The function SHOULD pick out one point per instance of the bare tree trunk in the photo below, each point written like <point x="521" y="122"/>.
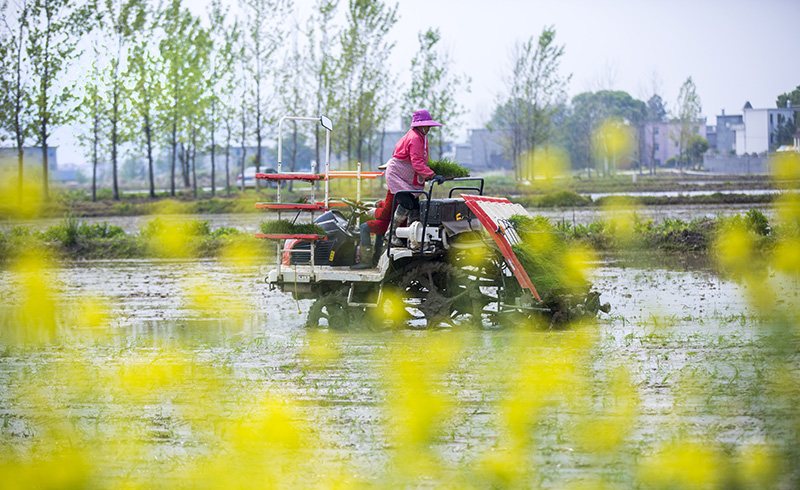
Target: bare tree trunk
<point x="18" y="96"/>
<point x="45" y="176"/>
<point x="244" y="149"/>
<point x="193" y="158"/>
<point x="227" y="170"/>
<point x="19" y="167"/>
<point x="149" y="137"/>
<point x="383" y="138"/>
<point x="185" y="166"/>
<point x="43" y="109"/>
<point x="213" y="151"/>
<point x="95" y="144"/>
<point x="174" y="157"/>
<point x="369" y="151"/>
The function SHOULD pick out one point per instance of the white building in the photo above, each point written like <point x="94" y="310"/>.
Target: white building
<point x="756" y="134"/>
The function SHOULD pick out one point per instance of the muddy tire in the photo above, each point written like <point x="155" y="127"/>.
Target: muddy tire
<point x="438" y="293"/>
<point x="332" y="308"/>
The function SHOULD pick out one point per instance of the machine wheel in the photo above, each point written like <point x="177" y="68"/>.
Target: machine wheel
<point x="333" y="309"/>
<point x="437" y="293"/>
<point x="496" y="286"/>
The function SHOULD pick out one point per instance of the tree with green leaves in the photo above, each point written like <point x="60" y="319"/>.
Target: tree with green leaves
<point x="696" y="147"/>
<point x="223" y="54"/>
<point x="295" y="95"/>
<point x="197" y="87"/>
<point x="93" y="110"/>
<point x="182" y="50"/>
<point x="144" y="73"/>
<point x="589" y="112"/>
<point x="264" y="34"/>
<point x="243" y="111"/>
<point x="656" y="113"/>
<point x="220" y="62"/>
<point x="434" y="86"/>
<point x="321" y="63"/>
<point x="688" y="105"/>
<point x="786" y="128"/>
<point x="122" y="20"/>
<point x="363" y="79"/>
<point x="535" y="92"/>
<point x="15" y="94"/>
<point x="55" y="29"/>
<point x="789" y="98"/>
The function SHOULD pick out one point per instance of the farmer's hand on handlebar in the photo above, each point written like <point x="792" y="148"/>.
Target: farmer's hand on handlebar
<point x="359" y="206"/>
<point x="438" y="179"/>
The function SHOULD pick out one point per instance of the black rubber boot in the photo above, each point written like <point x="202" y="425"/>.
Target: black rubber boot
<point x="400" y="215"/>
<point x="366" y="258"/>
<point x="376" y="255"/>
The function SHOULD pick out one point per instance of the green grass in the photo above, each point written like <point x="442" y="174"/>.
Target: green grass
<point x="73" y="239"/>
<point x="286" y="227"/>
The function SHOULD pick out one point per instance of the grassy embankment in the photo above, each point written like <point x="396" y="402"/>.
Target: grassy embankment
<point x="567" y="192"/>
<point x="75" y="239"/>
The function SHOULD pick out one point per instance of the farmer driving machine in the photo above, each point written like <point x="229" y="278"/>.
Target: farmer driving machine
<point x="457" y="263"/>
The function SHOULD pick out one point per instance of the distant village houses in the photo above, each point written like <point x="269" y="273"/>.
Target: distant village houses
<point x="661" y="141"/>
<point x="32" y="163"/>
<point x="741" y="143"/>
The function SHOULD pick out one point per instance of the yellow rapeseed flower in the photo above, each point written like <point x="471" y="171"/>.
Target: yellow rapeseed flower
<point x="683" y="465"/>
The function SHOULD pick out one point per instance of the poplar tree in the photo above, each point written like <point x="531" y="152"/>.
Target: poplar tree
<point x="144" y="71"/>
<point x="15" y="94"/>
<point x="363" y="75"/>
<point x="92" y="111"/>
<point x="123" y="20"/>
<point x="434" y="86"/>
<point x="321" y="64"/>
<point x="55" y="28"/>
<point x="688" y="105"/>
<point x="264" y="36"/>
<point x="295" y="95"/>
<point x="221" y="60"/>
<point x="536" y="91"/>
<point x="177" y="49"/>
<point x="243" y="112"/>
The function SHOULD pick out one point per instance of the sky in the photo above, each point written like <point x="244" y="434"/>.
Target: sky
<point x="734" y="50"/>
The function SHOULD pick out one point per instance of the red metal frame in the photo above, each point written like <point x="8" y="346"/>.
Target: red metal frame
<point x="350" y="174"/>
<point x="473" y="203"/>
<point x="306" y="177"/>
<point x="289" y="236"/>
<point x="289" y="205"/>
<point x="343" y="174"/>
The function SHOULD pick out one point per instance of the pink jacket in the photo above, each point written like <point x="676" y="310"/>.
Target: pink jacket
<point x="413" y="147"/>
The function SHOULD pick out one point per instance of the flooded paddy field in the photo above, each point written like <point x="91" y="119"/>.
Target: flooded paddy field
<point x="194" y="374"/>
<point x="251" y="222"/>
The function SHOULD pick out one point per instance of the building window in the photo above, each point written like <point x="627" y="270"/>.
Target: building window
<point x="658" y="146"/>
<point x="655" y="130"/>
<point x="658" y="161"/>
<point x="770" y="118"/>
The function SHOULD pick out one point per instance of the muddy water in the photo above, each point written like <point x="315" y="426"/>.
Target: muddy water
<point x="151" y="292"/>
<point x="664" y="323"/>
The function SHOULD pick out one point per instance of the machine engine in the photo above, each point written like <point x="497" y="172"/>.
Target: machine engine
<point x="338" y="249"/>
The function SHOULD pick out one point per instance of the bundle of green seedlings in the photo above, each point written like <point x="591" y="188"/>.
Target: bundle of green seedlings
<point x="448" y="168"/>
<point x="544" y="254"/>
<point x="286" y="227"/>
